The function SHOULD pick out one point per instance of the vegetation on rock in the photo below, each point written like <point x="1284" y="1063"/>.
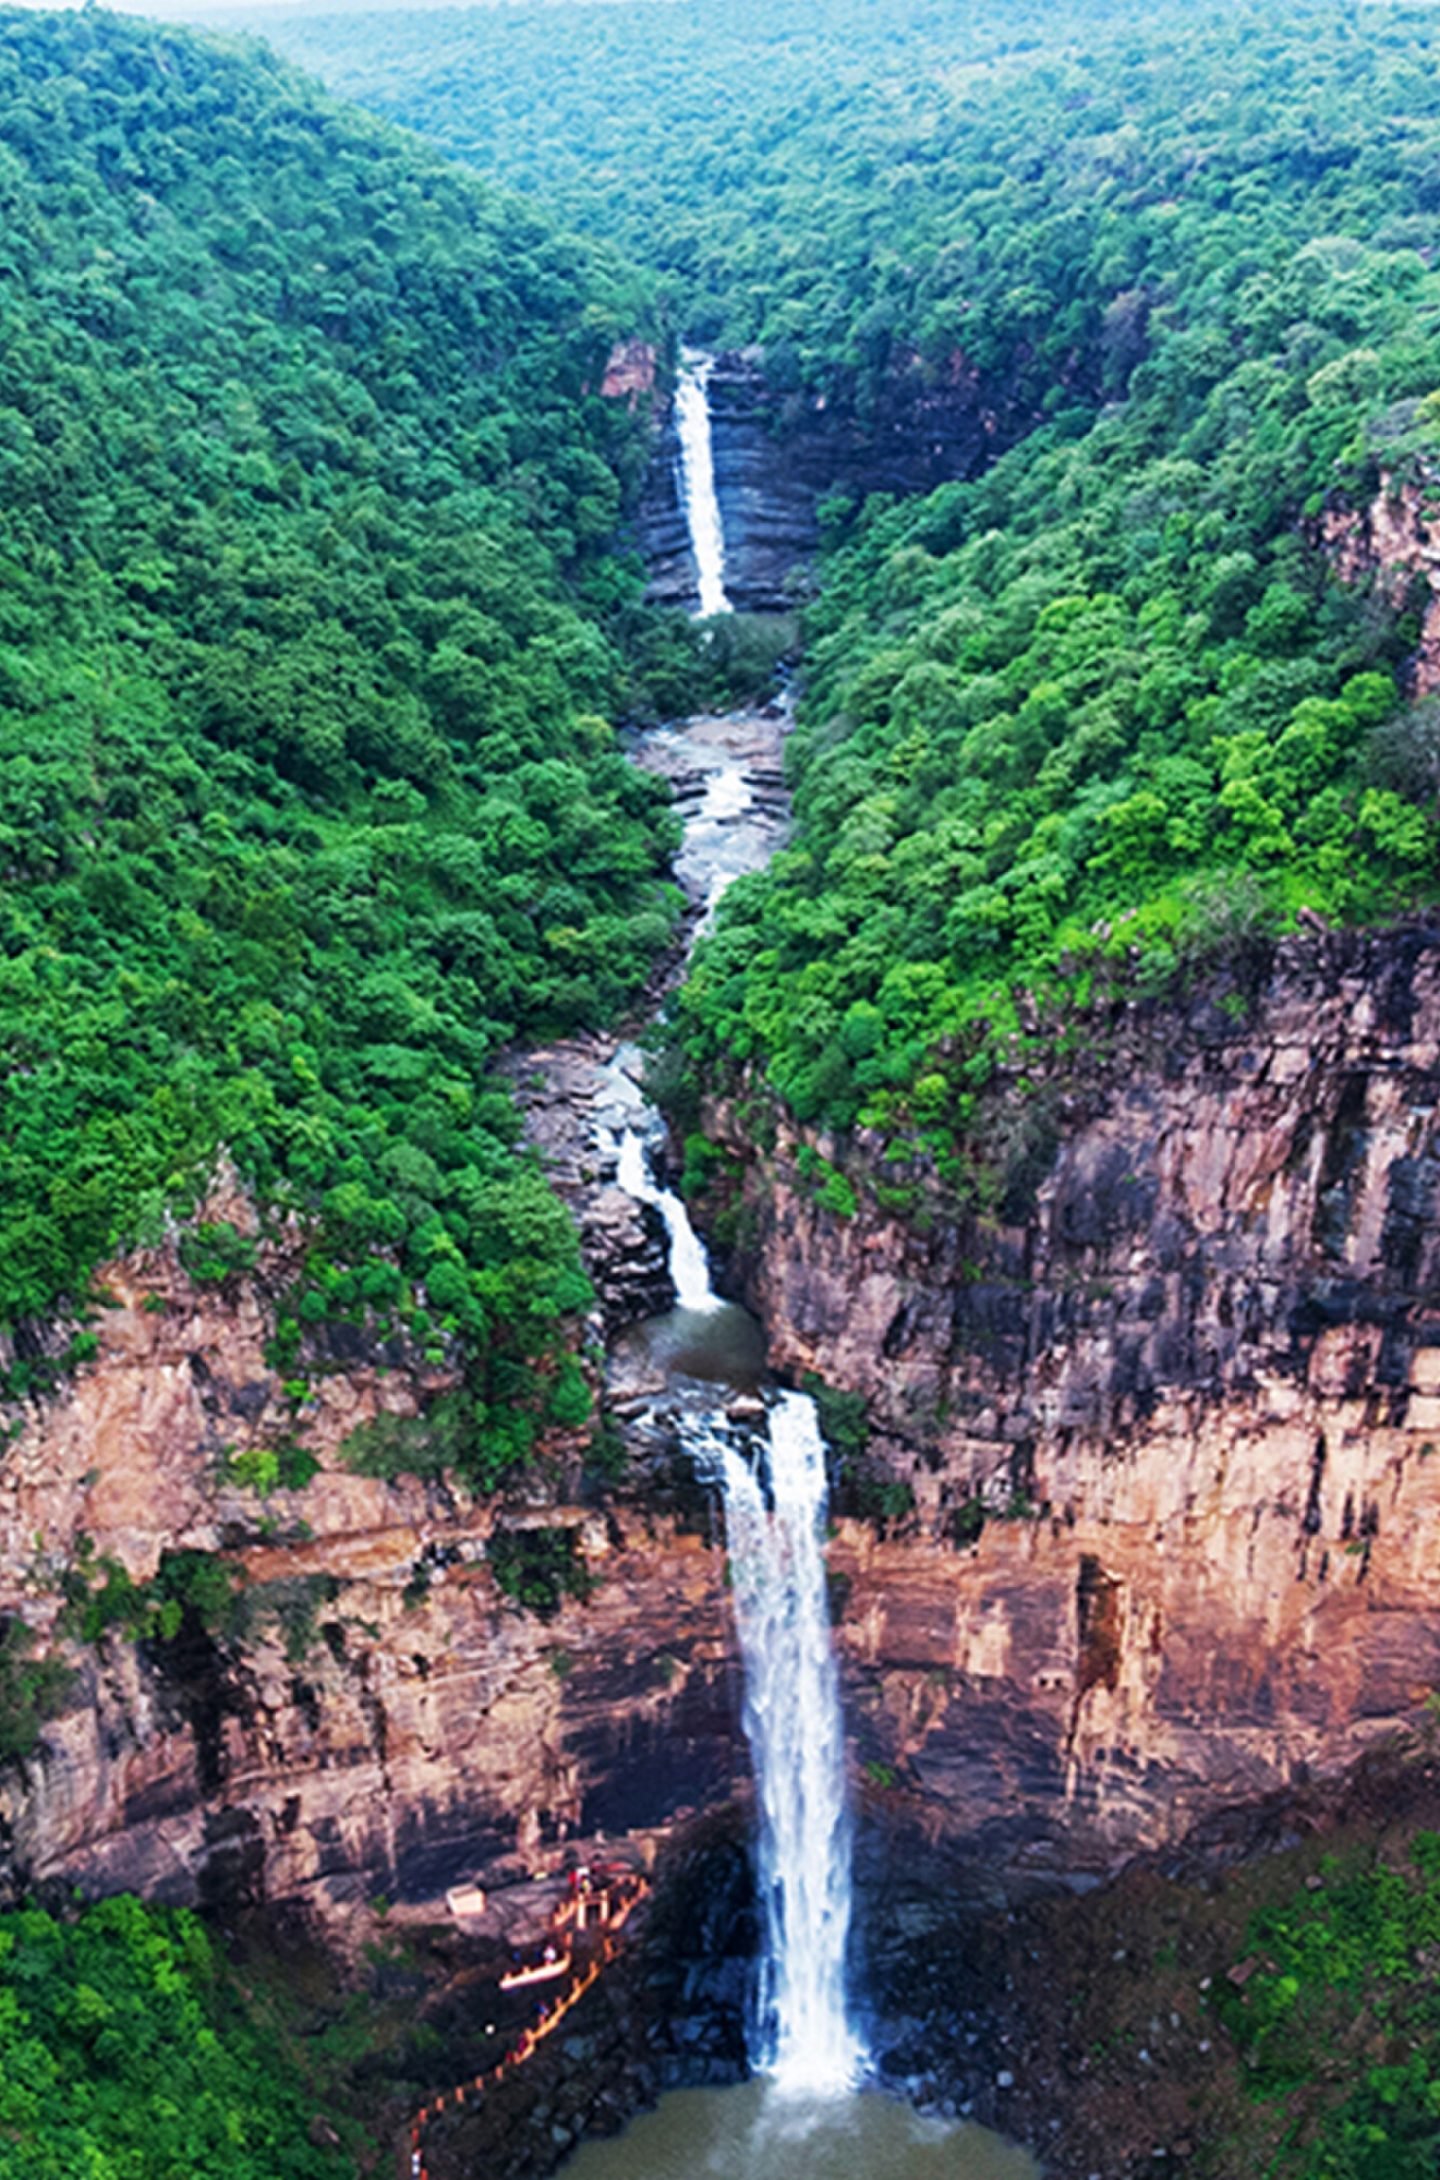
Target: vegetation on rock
<point x="538" y="1569"/>
<point x="1337" y="2019"/>
<point x="31" y="1689"/>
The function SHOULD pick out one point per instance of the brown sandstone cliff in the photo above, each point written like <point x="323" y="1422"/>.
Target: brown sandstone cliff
<point x="1171" y="1418"/>
<point x="383" y="1719"/>
<point x="1188" y="1381"/>
<point x="1394" y="543"/>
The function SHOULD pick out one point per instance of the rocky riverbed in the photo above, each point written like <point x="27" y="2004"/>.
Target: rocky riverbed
<point x="580" y="1094"/>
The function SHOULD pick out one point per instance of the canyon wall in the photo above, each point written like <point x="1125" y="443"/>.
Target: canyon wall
<point x="1170" y="1414"/>
<point x="780" y="448"/>
<point x="375" y="1716"/>
<point x="1392" y="545"/>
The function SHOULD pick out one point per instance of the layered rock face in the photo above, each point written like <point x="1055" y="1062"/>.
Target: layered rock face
<point x="376" y="1716"/>
<point x="381" y="1718"/>
<point x="778" y="451"/>
<point x="1171" y="1416"/>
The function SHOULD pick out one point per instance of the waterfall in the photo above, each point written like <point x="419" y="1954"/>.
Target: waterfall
<point x="688" y="1267"/>
<point x="774" y="1527"/>
<point x="697" y="478"/>
<point x="797" y="1740"/>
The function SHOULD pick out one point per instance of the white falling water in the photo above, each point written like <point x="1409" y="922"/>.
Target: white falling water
<point x="728" y="794"/>
<point x="774" y="1525"/>
<point x="697" y="475"/>
<point x="797" y="1740"/>
<point x="688" y="1267"/>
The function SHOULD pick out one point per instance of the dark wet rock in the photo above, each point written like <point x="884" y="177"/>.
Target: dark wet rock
<point x="778" y="451"/>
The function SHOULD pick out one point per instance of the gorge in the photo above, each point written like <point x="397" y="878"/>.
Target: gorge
<point x="799" y="1299"/>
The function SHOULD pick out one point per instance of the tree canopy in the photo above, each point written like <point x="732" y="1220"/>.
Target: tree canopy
<point x="1103" y="701"/>
<point x="1109" y="702"/>
<point x="126" y="2054"/>
<point x="308" y="798"/>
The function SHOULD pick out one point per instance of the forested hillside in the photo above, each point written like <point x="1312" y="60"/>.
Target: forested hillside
<point x="1106" y="703"/>
<point x="308" y="795"/>
<point x="786" y="170"/>
<point x="126" y="2053"/>
<point x="1108" y="707"/>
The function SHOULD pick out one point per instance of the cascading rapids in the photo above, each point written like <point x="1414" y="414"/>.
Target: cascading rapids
<point x="793" y="1721"/>
<point x="697" y="476"/>
<point x="688" y="1267"/>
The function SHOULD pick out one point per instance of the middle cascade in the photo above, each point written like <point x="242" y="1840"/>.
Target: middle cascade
<point x="688" y="1268"/>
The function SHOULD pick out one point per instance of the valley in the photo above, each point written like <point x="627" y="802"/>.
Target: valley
<point x="718" y="1143"/>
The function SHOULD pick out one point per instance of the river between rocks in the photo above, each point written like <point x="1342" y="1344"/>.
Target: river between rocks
<point x="686" y="1366"/>
<point x="686" y="1371"/>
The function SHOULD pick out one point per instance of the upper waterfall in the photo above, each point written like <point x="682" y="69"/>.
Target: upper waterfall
<point x="697" y="479"/>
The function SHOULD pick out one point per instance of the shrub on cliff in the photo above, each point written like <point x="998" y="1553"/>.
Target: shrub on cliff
<point x="31" y="1690"/>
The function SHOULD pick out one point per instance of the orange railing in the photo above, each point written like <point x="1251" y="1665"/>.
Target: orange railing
<point x="607" y="1910"/>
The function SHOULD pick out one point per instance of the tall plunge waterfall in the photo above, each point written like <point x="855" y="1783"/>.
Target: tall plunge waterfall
<point x="697" y="476"/>
<point x="797" y="1740"/>
<point x="774" y="1528"/>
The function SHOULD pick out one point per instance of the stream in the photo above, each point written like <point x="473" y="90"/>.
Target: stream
<point x="695" y="1367"/>
<point x="808" y="2114"/>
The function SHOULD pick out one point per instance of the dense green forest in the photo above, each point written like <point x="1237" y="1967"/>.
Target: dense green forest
<point x="1105" y="705"/>
<point x="1337" y="2030"/>
<point x="786" y="171"/>
<point x="312" y="631"/>
<point x="308" y="795"/>
<point x="126" y="2053"/>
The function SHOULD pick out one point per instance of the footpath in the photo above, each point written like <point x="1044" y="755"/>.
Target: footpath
<point x="583" y="1938"/>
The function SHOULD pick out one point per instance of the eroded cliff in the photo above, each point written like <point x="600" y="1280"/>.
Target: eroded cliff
<point x="374" y="1715"/>
<point x="1391" y="545"/>
<point x="1170" y="1413"/>
<point x="780" y="448"/>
